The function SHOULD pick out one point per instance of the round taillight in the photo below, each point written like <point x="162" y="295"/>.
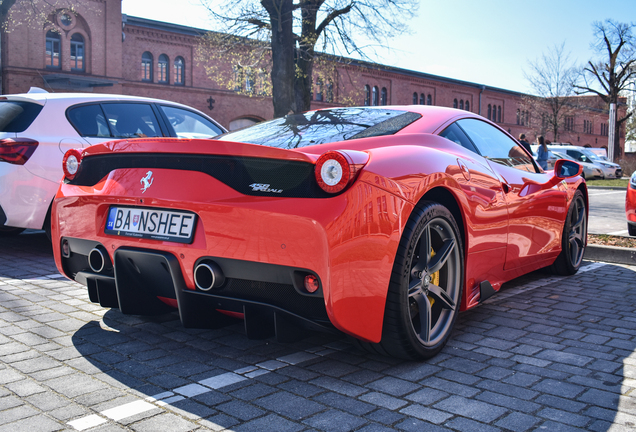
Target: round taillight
<point x="333" y="171"/>
<point x="71" y="163"/>
<point x="311" y="283"/>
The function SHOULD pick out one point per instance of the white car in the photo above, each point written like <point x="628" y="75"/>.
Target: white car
<point x="37" y="128"/>
<point x="590" y="170"/>
<point x="582" y="154"/>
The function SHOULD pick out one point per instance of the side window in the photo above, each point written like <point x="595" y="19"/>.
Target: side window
<point x="495" y="145"/>
<point x="457" y="135"/>
<point x="89" y="121"/>
<point x="131" y="120"/>
<point x="188" y="124"/>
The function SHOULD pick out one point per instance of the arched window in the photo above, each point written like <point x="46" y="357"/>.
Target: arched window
<point x="414" y="98"/>
<point x="374" y="96"/>
<point x="429" y="100"/>
<point x="518" y="116"/>
<point x="162" y="69"/>
<point x="422" y="99"/>
<point x="498" y="114"/>
<point x="467" y="106"/>
<point x="461" y="104"/>
<point x="146" y="66"/>
<point x="77" y="52"/>
<point x="489" y="111"/>
<point x="179" y="71"/>
<point x="383" y="96"/>
<point x="367" y="97"/>
<point x="454" y="103"/>
<point x="52" y="57"/>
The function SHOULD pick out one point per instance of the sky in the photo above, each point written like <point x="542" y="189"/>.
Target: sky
<point x="488" y="42"/>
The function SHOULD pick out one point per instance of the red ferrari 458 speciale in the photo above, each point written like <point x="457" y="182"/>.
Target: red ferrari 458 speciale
<point x="380" y="222"/>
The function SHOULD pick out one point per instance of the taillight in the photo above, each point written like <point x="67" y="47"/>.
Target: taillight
<point x="17" y="151"/>
<point x="335" y="170"/>
<point x="71" y="163"/>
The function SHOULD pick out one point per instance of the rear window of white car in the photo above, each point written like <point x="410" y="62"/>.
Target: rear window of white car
<point x="115" y="120"/>
<point x="17" y="116"/>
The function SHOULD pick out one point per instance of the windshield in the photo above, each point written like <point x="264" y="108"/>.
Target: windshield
<point x="323" y="126"/>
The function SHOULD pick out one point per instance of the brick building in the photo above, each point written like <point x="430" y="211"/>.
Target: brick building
<point x="98" y="49"/>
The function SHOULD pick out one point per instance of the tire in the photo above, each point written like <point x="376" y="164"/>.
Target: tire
<point x="7" y="231"/>
<point x="631" y="229"/>
<point x="407" y="332"/>
<point x="47" y="224"/>
<point x="573" y="239"/>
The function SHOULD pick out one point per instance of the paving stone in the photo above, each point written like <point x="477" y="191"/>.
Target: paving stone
<point x="38" y="423"/>
<point x="334" y="420"/>
<point x="164" y="422"/>
<point x="517" y="422"/>
<point x="289" y="405"/>
<point x="344" y="403"/>
<point x="467" y="425"/>
<point x="383" y="400"/>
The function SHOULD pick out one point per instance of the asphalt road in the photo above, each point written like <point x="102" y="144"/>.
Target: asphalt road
<point x="607" y="212"/>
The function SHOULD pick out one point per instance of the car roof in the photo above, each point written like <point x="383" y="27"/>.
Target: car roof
<point x="74" y="98"/>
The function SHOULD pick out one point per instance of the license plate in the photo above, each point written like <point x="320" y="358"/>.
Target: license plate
<point x="156" y="224"/>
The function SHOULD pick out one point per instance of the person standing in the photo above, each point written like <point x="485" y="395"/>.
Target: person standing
<point x="524" y="143"/>
<point x="542" y="153"/>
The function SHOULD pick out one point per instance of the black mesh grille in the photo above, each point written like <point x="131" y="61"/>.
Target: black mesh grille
<point x="280" y="295"/>
<point x="292" y="178"/>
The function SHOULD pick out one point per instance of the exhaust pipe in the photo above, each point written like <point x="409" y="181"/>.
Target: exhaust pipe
<point x="208" y="275"/>
<point x="98" y="259"/>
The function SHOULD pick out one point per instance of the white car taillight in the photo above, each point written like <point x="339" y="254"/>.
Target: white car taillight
<point x="71" y="163"/>
<point x="17" y="151"/>
<point x="335" y="170"/>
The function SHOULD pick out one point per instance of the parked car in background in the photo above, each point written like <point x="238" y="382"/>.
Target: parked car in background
<point x="590" y="170"/>
<point x="630" y="205"/>
<point x="37" y="128"/>
<point x="582" y="154"/>
<point x="381" y="222"/>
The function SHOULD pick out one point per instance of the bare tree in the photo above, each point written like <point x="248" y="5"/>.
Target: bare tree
<point x="616" y="44"/>
<point x="551" y="78"/>
<point x="292" y="30"/>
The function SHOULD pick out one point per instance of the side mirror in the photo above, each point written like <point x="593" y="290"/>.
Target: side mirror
<point x="564" y="168"/>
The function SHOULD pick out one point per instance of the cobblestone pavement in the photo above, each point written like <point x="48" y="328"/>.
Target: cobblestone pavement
<point x="546" y="353"/>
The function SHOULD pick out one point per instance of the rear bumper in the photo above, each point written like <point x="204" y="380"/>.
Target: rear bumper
<point x="262" y="245"/>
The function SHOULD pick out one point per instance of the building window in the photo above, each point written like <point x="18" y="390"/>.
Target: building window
<point x="146" y="66"/>
<point x="569" y="123"/>
<point x="52" y="57"/>
<point x="429" y="100"/>
<point x="162" y="69"/>
<point x="319" y="89"/>
<point x="415" y="98"/>
<point x="518" y="116"/>
<point x="329" y="91"/>
<point x="367" y="97"/>
<point x="467" y="106"/>
<point x="461" y="104"/>
<point x="422" y="99"/>
<point x="454" y="103"/>
<point x="179" y="71"/>
<point x="498" y="114"/>
<point x="383" y="96"/>
<point x="375" y="99"/>
<point x="77" y="52"/>
<point x="489" y="111"/>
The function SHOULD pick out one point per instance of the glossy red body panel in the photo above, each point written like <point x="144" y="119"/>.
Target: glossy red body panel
<point x="630" y="204"/>
<point x="349" y="240"/>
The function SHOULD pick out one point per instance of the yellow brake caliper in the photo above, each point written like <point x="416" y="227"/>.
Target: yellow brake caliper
<point x="434" y="279"/>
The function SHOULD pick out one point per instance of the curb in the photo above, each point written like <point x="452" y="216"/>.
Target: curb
<point x="607" y="188"/>
<point x="611" y="254"/>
